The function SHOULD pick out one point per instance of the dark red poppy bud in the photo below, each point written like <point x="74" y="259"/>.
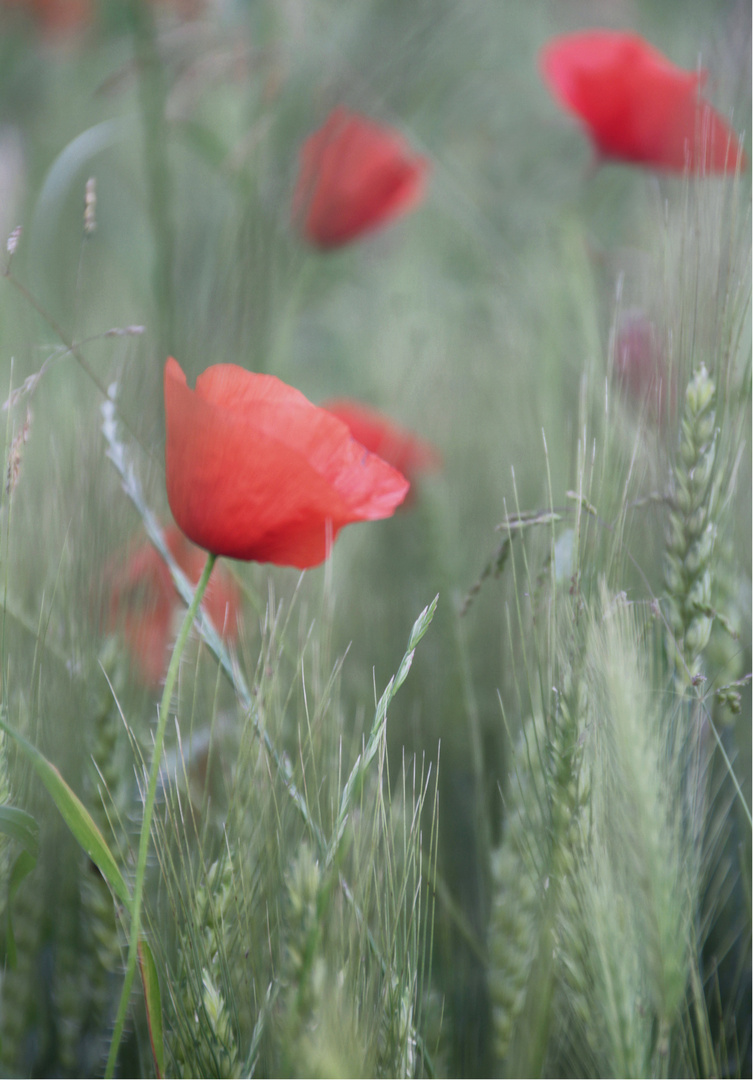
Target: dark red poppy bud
<point x="640" y="366"/>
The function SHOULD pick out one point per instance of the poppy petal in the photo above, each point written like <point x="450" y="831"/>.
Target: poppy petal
<point x="636" y="105"/>
<point x="405" y="451"/>
<point x="355" y="176"/>
<point x="255" y="471"/>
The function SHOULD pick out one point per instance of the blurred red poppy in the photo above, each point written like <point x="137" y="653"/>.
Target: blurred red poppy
<point x="59" y="17"/>
<point x="636" y="105"/>
<point x="143" y="601"/>
<point x="405" y="451"/>
<point x="55" y="16"/>
<point x="255" y="471"/>
<point x="355" y="176"/>
<point x="640" y="366"/>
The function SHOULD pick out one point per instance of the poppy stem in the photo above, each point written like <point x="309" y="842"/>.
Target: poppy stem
<point x="146" y="822"/>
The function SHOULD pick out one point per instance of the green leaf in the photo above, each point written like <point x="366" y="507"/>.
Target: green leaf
<point x="21" y="827"/>
<point x="153" y="1001"/>
<point x="24" y="829"/>
<point x="76" y="816"/>
<point x="22" y="866"/>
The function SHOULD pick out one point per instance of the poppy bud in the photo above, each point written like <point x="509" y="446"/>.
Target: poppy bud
<point x="639" y="364"/>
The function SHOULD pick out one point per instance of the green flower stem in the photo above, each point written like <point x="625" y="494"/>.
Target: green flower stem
<point x="146" y="824"/>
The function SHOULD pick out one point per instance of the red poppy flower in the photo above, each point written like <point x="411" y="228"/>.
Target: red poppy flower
<point x="143" y="601"/>
<point x="255" y="471"/>
<point x="636" y="105"/>
<point x="354" y="176"/>
<point x="405" y="451"/>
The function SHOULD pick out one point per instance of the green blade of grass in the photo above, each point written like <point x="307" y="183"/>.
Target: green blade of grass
<point x="24" y="829"/>
<point x="23" y="865"/>
<point x="363" y="761"/>
<point x="76" y="816"/>
<point x="21" y="827"/>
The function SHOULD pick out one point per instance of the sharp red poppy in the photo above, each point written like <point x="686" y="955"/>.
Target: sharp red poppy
<point x="255" y="471"/>
<point x="636" y="105"/>
<point x="143" y="601"/>
<point x="355" y="176"/>
<point x="408" y="453"/>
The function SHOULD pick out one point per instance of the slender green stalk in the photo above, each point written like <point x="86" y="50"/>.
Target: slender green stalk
<point x="146" y="823"/>
<point x="73" y="348"/>
<point x="152" y="96"/>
